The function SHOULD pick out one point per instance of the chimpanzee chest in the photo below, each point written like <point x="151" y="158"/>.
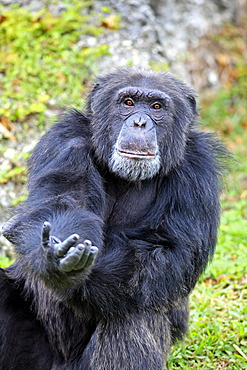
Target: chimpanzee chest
<point x="128" y="205"/>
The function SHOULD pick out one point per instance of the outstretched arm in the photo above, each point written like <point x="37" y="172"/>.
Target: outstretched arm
<point x="65" y="190"/>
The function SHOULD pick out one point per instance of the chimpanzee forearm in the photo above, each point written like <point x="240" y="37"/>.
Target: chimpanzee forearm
<point x="70" y="225"/>
<point x="79" y="276"/>
<point x="170" y="271"/>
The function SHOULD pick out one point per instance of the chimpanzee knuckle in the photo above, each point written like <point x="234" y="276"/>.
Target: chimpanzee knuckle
<point x="70" y="261"/>
<point x="58" y="250"/>
<point x="90" y="260"/>
<point x="81" y="264"/>
<point x="87" y="250"/>
<point x="66" y="266"/>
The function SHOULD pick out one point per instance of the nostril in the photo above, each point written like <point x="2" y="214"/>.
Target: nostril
<point x="136" y="122"/>
<point x="139" y="123"/>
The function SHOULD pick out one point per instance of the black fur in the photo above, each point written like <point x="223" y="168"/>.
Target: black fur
<point x="155" y="237"/>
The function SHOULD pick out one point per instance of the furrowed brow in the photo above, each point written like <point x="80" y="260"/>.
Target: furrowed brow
<point x="142" y="93"/>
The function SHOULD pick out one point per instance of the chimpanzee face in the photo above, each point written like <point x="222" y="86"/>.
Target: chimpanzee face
<point x="141" y="128"/>
<point x="136" y="153"/>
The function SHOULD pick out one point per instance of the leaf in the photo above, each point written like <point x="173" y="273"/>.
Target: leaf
<point x="222" y="59"/>
<point x="238" y="349"/>
<point x="6" y="132"/>
<point x="37" y="107"/>
<point x="111" y="22"/>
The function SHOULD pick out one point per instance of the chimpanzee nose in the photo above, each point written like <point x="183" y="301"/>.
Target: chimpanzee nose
<point x="140" y="122"/>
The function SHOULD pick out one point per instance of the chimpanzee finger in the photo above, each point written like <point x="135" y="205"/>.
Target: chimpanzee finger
<point x="91" y="258"/>
<point x="45" y="234"/>
<point x="63" y="247"/>
<point x="86" y="260"/>
<point x="87" y="247"/>
<point x="72" y="258"/>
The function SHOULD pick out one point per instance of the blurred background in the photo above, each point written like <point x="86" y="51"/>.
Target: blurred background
<point x="50" y="54"/>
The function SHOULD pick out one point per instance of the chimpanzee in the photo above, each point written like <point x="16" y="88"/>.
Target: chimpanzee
<point x="120" y="221"/>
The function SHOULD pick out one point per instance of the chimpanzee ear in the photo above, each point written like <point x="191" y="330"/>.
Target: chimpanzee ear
<point x="192" y="100"/>
<point x="90" y="97"/>
<point x="190" y="96"/>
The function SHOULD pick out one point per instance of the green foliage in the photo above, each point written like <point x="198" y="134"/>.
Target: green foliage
<point x="5" y="261"/>
<point x="41" y="60"/>
<point x="225" y="110"/>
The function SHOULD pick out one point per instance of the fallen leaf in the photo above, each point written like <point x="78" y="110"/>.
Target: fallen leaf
<point x="111" y="22"/>
<point x="6" y="133"/>
<point x="222" y="59"/>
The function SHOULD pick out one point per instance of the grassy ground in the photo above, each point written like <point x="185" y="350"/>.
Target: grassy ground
<point x="218" y="331"/>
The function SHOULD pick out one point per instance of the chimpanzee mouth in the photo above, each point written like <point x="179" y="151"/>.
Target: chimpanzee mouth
<point x="133" y="155"/>
<point x="133" y="165"/>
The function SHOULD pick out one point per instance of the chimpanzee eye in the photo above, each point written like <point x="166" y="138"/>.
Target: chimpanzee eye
<point x="129" y="102"/>
<point x="156" y="106"/>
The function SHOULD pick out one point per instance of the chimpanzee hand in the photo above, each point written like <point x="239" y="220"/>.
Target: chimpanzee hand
<point x="71" y="257"/>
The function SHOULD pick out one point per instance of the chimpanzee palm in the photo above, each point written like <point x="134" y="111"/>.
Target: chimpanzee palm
<point x="120" y="221"/>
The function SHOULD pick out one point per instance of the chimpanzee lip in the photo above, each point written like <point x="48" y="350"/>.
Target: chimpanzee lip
<point x="136" y="155"/>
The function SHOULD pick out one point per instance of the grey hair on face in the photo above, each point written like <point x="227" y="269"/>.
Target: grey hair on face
<point x="134" y="169"/>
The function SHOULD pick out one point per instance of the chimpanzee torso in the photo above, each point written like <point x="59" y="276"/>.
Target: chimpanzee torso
<point x="120" y="221"/>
